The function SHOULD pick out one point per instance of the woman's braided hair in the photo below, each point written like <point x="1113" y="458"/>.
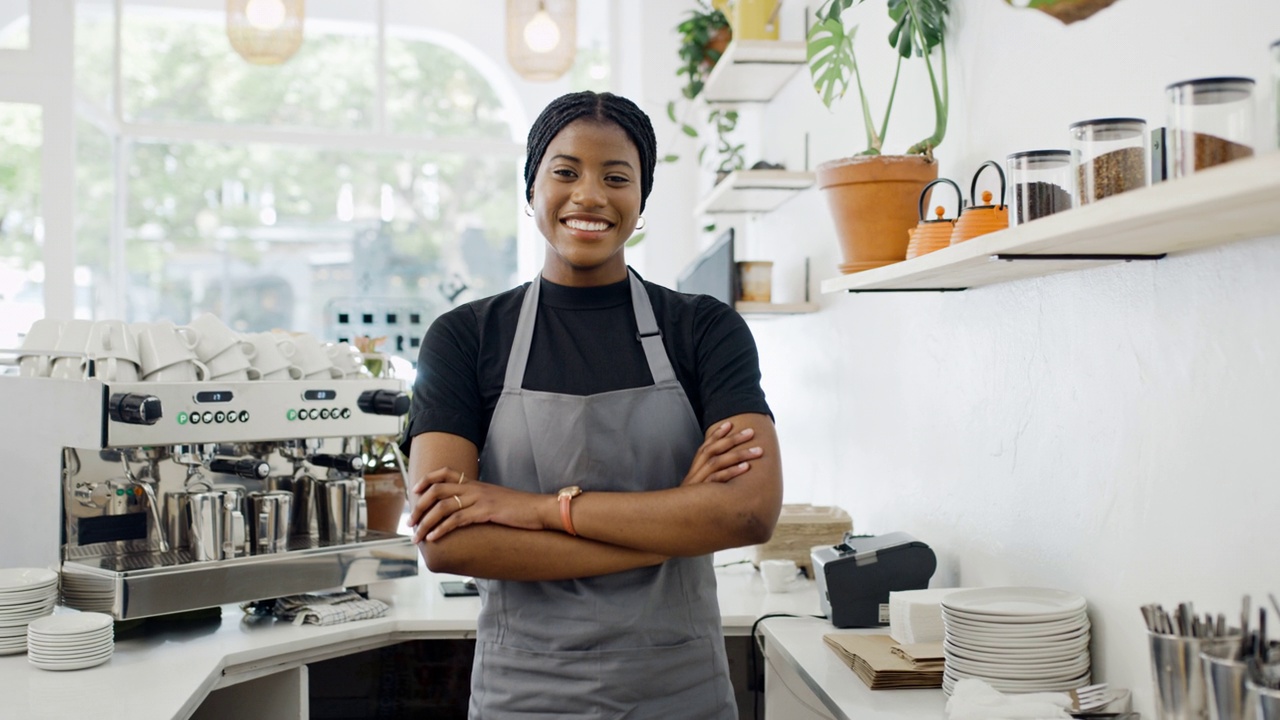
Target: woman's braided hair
<point x="599" y="107"/>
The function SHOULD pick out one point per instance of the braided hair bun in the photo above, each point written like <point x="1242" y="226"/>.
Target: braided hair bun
<point x="600" y="107"/>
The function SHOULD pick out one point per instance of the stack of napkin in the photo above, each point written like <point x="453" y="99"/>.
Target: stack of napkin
<point x="915" y="616"/>
<point x="883" y="664"/>
<point x="328" y="608"/>
<point x="976" y="700"/>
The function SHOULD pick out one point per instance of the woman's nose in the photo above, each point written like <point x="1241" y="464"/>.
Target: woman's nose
<point x="589" y="194"/>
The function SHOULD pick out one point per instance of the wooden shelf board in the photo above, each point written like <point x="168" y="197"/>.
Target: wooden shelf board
<point x="753" y="70"/>
<point x="752" y="191"/>
<point x="1220" y="205"/>
<point x="763" y="308"/>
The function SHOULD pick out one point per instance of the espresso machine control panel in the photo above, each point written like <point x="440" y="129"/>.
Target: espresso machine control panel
<point x="189" y="413"/>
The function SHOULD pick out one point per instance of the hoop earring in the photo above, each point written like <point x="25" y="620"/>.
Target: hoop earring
<point x="640" y="223"/>
<point x="528" y="209"/>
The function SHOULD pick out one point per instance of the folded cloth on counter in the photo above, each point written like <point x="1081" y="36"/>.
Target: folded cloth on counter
<point x="872" y="658"/>
<point x="976" y="700"/>
<point x="915" y="616"/>
<point x="328" y="608"/>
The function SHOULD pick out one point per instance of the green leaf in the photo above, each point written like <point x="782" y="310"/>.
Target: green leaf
<point x="831" y="60"/>
<point x="635" y="239"/>
<point x="709" y="228"/>
<point x="671" y="110"/>
<point x="670" y="158"/>
<point x="688" y="130"/>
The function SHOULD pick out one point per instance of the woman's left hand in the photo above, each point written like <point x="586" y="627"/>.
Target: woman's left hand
<point x="448" y="500"/>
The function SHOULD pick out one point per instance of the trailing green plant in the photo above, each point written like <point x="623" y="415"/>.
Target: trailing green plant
<point x="698" y="50"/>
<point x="919" y="28"/>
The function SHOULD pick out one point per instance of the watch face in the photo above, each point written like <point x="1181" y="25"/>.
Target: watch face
<point x="571" y="492"/>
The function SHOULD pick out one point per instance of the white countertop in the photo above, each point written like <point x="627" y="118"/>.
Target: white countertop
<point x="799" y="642"/>
<point x="167" y="673"/>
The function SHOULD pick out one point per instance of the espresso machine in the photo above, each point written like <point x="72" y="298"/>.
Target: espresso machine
<point x="161" y="497"/>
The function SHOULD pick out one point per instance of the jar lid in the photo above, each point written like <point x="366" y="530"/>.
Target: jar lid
<point x="1107" y="121"/>
<point x="1211" y="90"/>
<point x="1040" y="154"/>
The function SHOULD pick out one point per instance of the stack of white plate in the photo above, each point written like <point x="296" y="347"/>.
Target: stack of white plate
<point x="25" y="595"/>
<point x="70" y="642"/>
<point x="1017" y="639"/>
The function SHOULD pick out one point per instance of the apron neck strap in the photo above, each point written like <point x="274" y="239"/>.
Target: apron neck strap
<point x="648" y="334"/>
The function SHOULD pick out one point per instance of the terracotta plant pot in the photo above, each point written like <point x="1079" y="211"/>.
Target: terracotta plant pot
<point x="384" y="497"/>
<point x="873" y="202"/>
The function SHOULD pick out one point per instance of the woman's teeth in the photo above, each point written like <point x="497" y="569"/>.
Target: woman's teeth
<point x="587" y="226"/>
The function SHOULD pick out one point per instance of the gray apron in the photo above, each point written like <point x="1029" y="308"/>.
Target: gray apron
<point x="643" y="643"/>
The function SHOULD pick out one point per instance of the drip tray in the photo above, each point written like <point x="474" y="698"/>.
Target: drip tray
<point x="144" y="583"/>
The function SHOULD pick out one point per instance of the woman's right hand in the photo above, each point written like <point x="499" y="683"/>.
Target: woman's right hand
<point x="722" y="456"/>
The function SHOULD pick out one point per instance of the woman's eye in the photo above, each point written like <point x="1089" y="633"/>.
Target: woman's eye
<point x="563" y="172"/>
<point x="618" y="179"/>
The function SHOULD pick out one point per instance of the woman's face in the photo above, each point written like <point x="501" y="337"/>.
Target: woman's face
<point x="586" y="202"/>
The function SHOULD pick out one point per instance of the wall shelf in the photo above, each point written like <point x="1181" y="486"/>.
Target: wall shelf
<point x="753" y="70"/>
<point x="763" y="308"/>
<point x="754" y="191"/>
<point x="1220" y="205"/>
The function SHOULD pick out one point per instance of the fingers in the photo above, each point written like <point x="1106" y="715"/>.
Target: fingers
<point x="722" y="455"/>
<point x="438" y="511"/>
<point x="441" y="475"/>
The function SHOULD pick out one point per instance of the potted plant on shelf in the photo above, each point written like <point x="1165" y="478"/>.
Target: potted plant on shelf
<point x="873" y="196"/>
<point x="384" y="486"/>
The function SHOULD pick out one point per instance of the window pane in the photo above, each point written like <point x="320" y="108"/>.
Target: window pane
<point x="282" y="237"/>
<point x="433" y="92"/>
<point x="95" y="203"/>
<point x="95" y="37"/>
<point x="21" y="229"/>
<point x="179" y="67"/>
<point x="14" y="23"/>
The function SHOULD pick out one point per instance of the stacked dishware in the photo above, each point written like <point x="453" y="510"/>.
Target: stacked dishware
<point x="70" y="642"/>
<point x="1016" y="639"/>
<point x="227" y="356"/>
<point x="26" y="594"/>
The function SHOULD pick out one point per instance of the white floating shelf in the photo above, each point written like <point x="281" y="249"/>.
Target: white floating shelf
<point x="753" y="70"/>
<point x="754" y="191"/>
<point x="763" y="308"/>
<point x="1237" y="201"/>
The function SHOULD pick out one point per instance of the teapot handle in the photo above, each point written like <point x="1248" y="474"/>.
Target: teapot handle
<point x="973" y="187"/>
<point x="925" y="191"/>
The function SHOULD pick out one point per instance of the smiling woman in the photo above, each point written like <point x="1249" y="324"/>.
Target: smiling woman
<point x="612" y="429"/>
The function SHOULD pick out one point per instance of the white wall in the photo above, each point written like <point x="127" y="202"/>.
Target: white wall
<point x="1107" y="431"/>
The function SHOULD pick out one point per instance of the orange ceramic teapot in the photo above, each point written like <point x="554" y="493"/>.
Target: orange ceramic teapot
<point x="932" y="235"/>
<point x="981" y="219"/>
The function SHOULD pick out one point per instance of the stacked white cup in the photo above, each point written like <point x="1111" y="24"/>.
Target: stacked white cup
<point x="227" y="354"/>
<point x="312" y="359"/>
<point x="37" y="346"/>
<point x="273" y="356"/>
<point x="346" y="360"/>
<point x="168" y="352"/>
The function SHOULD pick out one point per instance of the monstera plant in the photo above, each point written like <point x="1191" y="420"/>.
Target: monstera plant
<point x="872" y="196"/>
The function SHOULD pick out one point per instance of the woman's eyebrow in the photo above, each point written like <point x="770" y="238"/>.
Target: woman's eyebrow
<point x="607" y="163"/>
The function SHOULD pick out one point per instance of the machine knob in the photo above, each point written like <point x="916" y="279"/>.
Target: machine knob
<point x="248" y="468"/>
<point x="384" y="402"/>
<point x="345" y="463"/>
<point x="135" y="409"/>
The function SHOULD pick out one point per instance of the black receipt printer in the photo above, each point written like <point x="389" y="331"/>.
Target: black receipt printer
<point x="856" y="576"/>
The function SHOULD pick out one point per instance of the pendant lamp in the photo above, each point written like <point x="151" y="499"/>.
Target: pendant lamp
<point x="542" y="37"/>
<point x="265" y="32"/>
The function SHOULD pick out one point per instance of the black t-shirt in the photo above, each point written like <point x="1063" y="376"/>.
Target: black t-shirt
<point x="585" y="342"/>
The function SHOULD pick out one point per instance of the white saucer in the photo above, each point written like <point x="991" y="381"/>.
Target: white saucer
<point x="80" y="648"/>
<point x="20" y="597"/>
<point x="1049" y="671"/>
<point x="77" y="624"/>
<point x="71" y="665"/>
<point x="1014" y="624"/>
<point x="1004" y="640"/>
<point x="1012" y="602"/>
<point x="16" y="579"/>
<point x="1037" y="653"/>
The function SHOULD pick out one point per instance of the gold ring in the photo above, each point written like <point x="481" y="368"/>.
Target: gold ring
<point x="462" y="478"/>
<point x="459" y="500"/>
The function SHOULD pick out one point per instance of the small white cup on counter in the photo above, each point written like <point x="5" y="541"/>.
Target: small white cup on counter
<point x="779" y="575"/>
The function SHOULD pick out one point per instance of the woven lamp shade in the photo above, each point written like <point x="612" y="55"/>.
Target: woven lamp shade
<point x="265" y="32"/>
<point x="542" y="37"/>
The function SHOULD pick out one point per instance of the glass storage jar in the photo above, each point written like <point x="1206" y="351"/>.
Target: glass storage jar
<point x="1275" y="83"/>
<point x="1210" y="123"/>
<point x="1040" y="182"/>
<point x="1109" y="156"/>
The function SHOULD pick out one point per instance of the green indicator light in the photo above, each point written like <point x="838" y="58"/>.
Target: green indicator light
<point x="182" y="418"/>
<point x="119" y="491"/>
<point x="292" y="415"/>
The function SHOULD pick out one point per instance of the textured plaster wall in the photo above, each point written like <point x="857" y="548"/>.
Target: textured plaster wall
<point x="1110" y="431"/>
